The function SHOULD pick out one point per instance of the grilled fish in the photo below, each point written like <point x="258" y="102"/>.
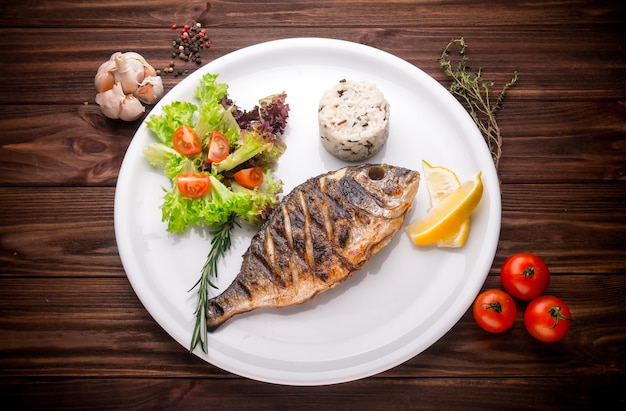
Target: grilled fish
<point x="318" y="236"/>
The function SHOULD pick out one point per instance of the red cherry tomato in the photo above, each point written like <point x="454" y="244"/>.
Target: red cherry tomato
<point x="249" y="177"/>
<point x="525" y="276"/>
<point x="218" y="147"/>
<point x="547" y="318"/>
<point x="194" y="184"/>
<point x="494" y="311"/>
<point x="186" y="141"/>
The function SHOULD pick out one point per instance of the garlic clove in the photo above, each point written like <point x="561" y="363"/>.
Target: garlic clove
<point x="110" y="101"/>
<point x="128" y="72"/>
<point x="131" y="108"/>
<point x="150" y="90"/>
<point x="148" y="69"/>
<point x="105" y="79"/>
<point x="135" y="56"/>
<point x="114" y="55"/>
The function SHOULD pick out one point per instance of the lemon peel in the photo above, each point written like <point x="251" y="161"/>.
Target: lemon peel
<point x="440" y="182"/>
<point x="446" y="218"/>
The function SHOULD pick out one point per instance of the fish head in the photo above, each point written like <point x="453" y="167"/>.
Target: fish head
<point x="382" y="190"/>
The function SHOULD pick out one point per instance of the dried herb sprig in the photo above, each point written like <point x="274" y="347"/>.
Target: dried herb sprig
<point x="474" y="92"/>
<point x="220" y="243"/>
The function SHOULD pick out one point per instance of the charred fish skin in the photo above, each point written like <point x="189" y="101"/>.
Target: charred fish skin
<point x="320" y="234"/>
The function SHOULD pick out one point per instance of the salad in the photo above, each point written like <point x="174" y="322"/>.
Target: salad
<point x="219" y="160"/>
<point x="218" y="156"/>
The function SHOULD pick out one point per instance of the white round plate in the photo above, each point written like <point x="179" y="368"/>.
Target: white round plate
<point x="399" y="304"/>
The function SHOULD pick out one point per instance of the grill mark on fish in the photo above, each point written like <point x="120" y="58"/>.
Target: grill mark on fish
<point x="366" y="199"/>
<point x="270" y="250"/>
<point x="322" y="232"/>
<point x="306" y="231"/>
<point x="242" y="289"/>
<point x="328" y="224"/>
<point x="287" y="226"/>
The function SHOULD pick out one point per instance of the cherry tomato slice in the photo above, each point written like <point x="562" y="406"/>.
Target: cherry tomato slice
<point x="186" y="141"/>
<point x="249" y="177"/>
<point x="547" y="318"/>
<point x="218" y="147"/>
<point x="194" y="184"/>
<point x="494" y="311"/>
<point x="525" y="276"/>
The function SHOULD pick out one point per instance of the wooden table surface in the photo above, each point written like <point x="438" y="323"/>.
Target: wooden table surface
<point x="74" y="335"/>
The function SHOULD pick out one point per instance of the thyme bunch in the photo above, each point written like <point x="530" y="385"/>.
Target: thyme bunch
<point x="475" y="93"/>
<point x="220" y="243"/>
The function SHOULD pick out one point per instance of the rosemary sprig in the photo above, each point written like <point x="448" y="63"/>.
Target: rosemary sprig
<point x="474" y="92"/>
<point x="220" y="243"/>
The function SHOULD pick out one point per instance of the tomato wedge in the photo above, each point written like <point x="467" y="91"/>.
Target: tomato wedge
<point x="194" y="184"/>
<point x="186" y="141"/>
<point x="249" y="177"/>
<point x="218" y="147"/>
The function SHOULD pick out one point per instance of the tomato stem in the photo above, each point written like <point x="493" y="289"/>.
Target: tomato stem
<point x="528" y="272"/>
<point x="556" y="315"/>
<point x="495" y="306"/>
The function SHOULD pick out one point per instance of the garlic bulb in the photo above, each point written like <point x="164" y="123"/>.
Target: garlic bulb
<point x="124" y="82"/>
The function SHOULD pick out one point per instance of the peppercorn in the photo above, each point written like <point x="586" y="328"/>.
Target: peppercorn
<point x="192" y="38"/>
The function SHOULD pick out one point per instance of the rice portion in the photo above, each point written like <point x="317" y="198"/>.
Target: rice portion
<point x="353" y="120"/>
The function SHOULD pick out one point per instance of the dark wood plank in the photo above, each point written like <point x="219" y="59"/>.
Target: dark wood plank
<point x="90" y="327"/>
<point x="77" y="145"/>
<point x="287" y="13"/>
<point x="576" y="228"/>
<point x="66" y="232"/>
<point x="379" y="394"/>
<point x="567" y="141"/>
<point x="61" y="145"/>
<point x="37" y="60"/>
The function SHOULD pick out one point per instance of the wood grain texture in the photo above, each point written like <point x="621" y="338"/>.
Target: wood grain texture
<point x="289" y="13"/>
<point x="96" y="327"/>
<point x="567" y="142"/>
<point x="394" y="394"/>
<point x="553" y="57"/>
<point x="575" y="227"/>
<point x="73" y="333"/>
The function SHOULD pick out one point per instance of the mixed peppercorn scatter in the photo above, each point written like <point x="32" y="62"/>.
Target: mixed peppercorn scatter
<point x="190" y="40"/>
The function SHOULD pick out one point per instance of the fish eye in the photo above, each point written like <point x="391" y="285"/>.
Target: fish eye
<point x="376" y="173"/>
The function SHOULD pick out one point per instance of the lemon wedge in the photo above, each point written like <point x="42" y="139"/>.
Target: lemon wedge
<point x="446" y="218"/>
<point x="441" y="181"/>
